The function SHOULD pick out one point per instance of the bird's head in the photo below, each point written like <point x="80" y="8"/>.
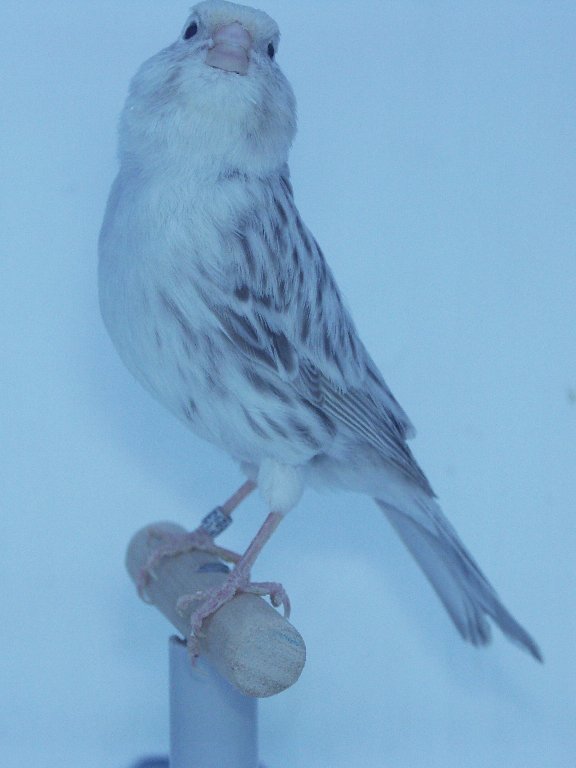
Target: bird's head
<point x="214" y="98"/>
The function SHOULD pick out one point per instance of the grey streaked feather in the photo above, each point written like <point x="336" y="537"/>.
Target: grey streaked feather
<point x="297" y="334"/>
<point x="460" y="584"/>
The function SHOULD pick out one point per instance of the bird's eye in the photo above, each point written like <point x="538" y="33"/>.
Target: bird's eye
<point x="271" y="50"/>
<point x="190" y="31"/>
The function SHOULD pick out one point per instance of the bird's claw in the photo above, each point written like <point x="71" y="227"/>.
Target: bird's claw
<point x="276" y="592"/>
<point x="238" y="582"/>
<point x="173" y="544"/>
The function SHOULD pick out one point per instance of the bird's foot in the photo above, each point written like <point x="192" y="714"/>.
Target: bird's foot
<point x="173" y="544"/>
<point x="238" y="581"/>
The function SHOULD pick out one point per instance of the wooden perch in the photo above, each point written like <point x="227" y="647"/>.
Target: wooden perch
<point x="250" y="644"/>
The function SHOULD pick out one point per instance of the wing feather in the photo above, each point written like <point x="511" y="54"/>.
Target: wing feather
<point x="280" y="307"/>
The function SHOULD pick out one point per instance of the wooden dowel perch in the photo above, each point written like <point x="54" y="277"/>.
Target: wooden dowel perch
<point x="250" y="644"/>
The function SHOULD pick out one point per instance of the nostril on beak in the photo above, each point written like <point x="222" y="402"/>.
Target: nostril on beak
<point x="233" y="34"/>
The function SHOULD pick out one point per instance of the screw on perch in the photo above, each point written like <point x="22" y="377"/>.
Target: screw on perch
<point x="246" y="640"/>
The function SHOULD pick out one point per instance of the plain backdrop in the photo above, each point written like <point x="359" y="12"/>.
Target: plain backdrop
<point x="435" y="165"/>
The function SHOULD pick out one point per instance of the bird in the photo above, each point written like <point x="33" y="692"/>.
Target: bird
<point x="221" y="303"/>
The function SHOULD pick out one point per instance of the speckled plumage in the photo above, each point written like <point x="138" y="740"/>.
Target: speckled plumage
<point x="221" y="303"/>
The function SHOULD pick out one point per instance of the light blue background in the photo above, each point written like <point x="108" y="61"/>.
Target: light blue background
<point x="435" y="164"/>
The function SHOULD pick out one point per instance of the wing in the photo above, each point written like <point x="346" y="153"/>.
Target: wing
<point x="276" y="301"/>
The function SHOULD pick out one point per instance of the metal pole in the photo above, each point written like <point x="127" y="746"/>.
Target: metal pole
<point x="212" y="725"/>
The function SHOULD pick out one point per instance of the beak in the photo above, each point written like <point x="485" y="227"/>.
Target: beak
<point x="231" y="49"/>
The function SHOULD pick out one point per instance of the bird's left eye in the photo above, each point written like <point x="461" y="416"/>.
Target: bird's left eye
<point x="271" y="50"/>
<point x="190" y="31"/>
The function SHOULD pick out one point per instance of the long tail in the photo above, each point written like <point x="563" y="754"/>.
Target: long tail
<point x="460" y="584"/>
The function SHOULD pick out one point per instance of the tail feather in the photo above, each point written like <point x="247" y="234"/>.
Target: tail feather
<point x="460" y="584"/>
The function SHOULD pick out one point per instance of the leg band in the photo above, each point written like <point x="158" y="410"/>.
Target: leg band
<point x="215" y="522"/>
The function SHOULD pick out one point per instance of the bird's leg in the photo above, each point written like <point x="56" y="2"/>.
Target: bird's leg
<point x="201" y="538"/>
<point x="237" y="581"/>
<point x="237" y="498"/>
